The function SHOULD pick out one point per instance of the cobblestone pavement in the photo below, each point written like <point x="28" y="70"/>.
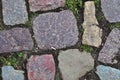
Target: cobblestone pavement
<point x="55" y="42"/>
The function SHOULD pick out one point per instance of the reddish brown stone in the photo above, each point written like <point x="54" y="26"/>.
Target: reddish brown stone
<point x="43" y="5"/>
<point x="41" y="67"/>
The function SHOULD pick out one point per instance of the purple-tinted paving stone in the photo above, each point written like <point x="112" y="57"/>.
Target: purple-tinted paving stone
<point x="14" y="12"/>
<point x="8" y="73"/>
<point x="41" y="67"/>
<point x="111" y="10"/>
<point x="43" y="5"/>
<point x="55" y="30"/>
<point x="16" y="39"/>
<point x="111" y="47"/>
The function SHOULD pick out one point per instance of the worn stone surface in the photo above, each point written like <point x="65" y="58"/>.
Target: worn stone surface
<point x="92" y="33"/>
<point x="44" y="5"/>
<point x="55" y="30"/>
<point x="108" y="73"/>
<point x="8" y="73"/>
<point x="74" y="64"/>
<point x="41" y="67"/>
<point x="111" y="10"/>
<point x="14" y="12"/>
<point x="111" y="47"/>
<point x="16" y="39"/>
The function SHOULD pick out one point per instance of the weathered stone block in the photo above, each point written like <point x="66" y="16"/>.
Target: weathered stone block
<point x="111" y="47"/>
<point x="55" y="30"/>
<point x="92" y="33"/>
<point x="8" y="73"/>
<point x="108" y="73"/>
<point x="14" y="12"/>
<point x="111" y="10"/>
<point x="74" y="64"/>
<point x="41" y="67"/>
<point x="16" y="39"/>
<point x="44" y="5"/>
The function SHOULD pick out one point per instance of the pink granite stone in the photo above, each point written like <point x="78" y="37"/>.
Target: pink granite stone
<point x="41" y="67"/>
<point x="44" y="5"/>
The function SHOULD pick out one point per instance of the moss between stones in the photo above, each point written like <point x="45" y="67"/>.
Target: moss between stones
<point x="12" y="59"/>
<point x="114" y="25"/>
<point x="74" y="5"/>
<point x="86" y="48"/>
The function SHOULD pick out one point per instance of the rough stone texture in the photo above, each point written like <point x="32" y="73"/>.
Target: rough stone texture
<point x="41" y="67"/>
<point x="111" y="47"/>
<point x="108" y="73"/>
<point x="92" y="33"/>
<point x="16" y="39"/>
<point x="14" y="12"/>
<point x="111" y="10"/>
<point x="74" y="64"/>
<point x="55" y="30"/>
<point x="44" y="5"/>
<point x="8" y="73"/>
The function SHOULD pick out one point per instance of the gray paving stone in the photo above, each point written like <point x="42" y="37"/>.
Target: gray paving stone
<point x="8" y="73"/>
<point x="111" y="47"/>
<point x="41" y="67"/>
<point x="92" y="33"/>
<point x="74" y="64"/>
<point x="16" y="39"/>
<point x="111" y="10"/>
<point x="44" y="5"/>
<point x="14" y="12"/>
<point x="55" y="30"/>
<point x="108" y="73"/>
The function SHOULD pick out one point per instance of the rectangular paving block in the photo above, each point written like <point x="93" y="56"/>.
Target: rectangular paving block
<point x="16" y="39"/>
<point x="14" y="12"/>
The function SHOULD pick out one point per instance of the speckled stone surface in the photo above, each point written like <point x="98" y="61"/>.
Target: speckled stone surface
<point x="111" y="10"/>
<point x="8" y="73"/>
<point x="108" y="73"/>
<point x="41" y="67"/>
<point x="111" y="47"/>
<point x="92" y="33"/>
<point x="44" y="5"/>
<point x="14" y="12"/>
<point x="16" y="39"/>
<point x="74" y="64"/>
<point x="55" y="30"/>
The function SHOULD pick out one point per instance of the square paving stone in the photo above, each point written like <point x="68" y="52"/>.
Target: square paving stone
<point x="16" y="39"/>
<point x="55" y="30"/>
<point x="14" y="12"/>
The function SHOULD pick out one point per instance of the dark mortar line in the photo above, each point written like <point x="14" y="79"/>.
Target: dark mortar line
<point x="58" y="74"/>
<point x="110" y="65"/>
<point x="1" y="16"/>
<point x="48" y="11"/>
<point x="28" y="8"/>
